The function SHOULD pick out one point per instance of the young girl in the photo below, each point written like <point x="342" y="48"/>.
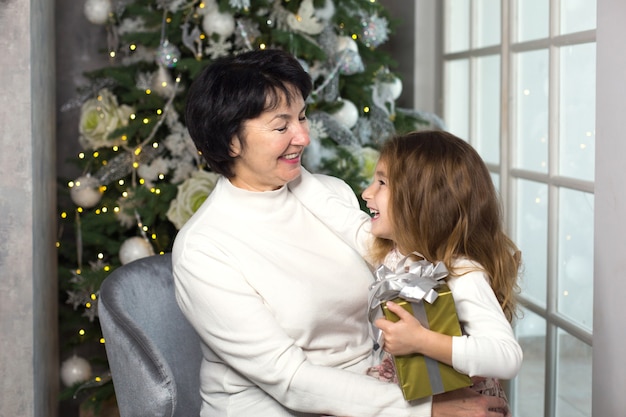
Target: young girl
<point x="432" y="194"/>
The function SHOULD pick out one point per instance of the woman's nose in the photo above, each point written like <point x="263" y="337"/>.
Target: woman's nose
<point x="301" y="135"/>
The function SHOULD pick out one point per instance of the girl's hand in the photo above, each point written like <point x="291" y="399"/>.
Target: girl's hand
<point x="408" y="336"/>
<point x="402" y="337"/>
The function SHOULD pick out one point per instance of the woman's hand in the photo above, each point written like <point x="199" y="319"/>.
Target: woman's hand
<point x="466" y="402"/>
<point x="408" y="336"/>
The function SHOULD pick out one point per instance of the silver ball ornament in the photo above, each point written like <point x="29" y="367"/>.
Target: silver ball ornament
<point x="135" y="248"/>
<point x="98" y="11"/>
<point x="347" y="115"/>
<point x="221" y="23"/>
<point x="74" y="370"/>
<point x="86" y="192"/>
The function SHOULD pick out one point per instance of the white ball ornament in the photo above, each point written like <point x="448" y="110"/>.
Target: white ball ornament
<point x="86" y="192"/>
<point x="75" y="370"/>
<point x="221" y="23"/>
<point x="98" y="11"/>
<point x="346" y="42"/>
<point x="135" y="248"/>
<point x="394" y="87"/>
<point x="347" y="114"/>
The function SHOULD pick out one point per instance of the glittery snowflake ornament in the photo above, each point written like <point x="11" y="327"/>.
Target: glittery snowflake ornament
<point x="375" y="31"/>
<point x="167" y="54"/>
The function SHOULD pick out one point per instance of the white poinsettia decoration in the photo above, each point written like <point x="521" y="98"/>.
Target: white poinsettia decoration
<point x="99" y="118"/>
<point x="191" y="194"/>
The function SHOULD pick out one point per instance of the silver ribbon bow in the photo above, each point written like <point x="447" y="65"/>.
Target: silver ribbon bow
<point x="419" y="283"/>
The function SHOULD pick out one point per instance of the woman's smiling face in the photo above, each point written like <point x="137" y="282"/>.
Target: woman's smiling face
<point x="270" y="152"/>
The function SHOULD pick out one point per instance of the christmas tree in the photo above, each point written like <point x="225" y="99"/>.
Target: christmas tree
<point x="142" y="177"/>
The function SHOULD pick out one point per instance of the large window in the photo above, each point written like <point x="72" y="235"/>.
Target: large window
<point x="519" y="85"/>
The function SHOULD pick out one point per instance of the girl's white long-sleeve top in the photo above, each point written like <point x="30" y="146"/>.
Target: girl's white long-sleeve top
<point x="489" y="347"/>
<point x="280" y="304"/>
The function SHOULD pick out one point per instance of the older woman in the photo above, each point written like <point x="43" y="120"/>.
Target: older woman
<point x="278" y="299"/>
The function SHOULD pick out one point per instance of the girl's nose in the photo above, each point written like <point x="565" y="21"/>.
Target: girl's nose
<point x="366" y="194"/>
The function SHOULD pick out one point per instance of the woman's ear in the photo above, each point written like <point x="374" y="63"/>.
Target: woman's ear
<point x="235" y="147"/>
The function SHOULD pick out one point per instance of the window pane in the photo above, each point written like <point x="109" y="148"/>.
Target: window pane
<point x="487" y="110"/>
<point x="534" y="19"/>
<point x="487" y="24"/>
<point x="456" y="109"/>
<point x="573" y="377"/>
<point x="575" y="271"/>
<point x="529" y="393"/>
<point x="531" y="99"/>
<point x="577" y="112"/>
<point x="531" y="236"/>
<point x="578" y="15"/>
<point x="456" y="15"/>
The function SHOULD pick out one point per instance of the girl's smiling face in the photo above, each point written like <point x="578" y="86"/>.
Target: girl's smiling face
<point x="377" y="198"/>
<point x="269" y="154"/>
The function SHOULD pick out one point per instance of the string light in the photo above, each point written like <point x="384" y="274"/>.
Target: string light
<point x="102" y="340"/>
<point x="82" y="332"/>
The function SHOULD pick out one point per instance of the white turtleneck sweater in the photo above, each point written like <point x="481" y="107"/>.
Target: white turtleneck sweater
<point x="280" y="303"/>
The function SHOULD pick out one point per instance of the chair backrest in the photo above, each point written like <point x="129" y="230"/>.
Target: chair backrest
<point x="153" y="352"/>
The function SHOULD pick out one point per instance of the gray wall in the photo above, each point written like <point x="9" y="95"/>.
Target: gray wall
<point x="28" y="290"/>
<point x="609" y="361"/>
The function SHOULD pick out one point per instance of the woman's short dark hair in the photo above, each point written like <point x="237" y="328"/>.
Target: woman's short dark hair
<point x="234" y="89"/>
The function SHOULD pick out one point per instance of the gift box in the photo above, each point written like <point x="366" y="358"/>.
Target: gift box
<point x="421" y="290"/>
<point x="421" y="376"/>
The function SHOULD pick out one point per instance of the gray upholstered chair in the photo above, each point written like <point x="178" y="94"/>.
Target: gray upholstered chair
<point x="153" y="352"/>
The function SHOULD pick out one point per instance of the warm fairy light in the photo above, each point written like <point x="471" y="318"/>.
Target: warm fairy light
<point x="64" y="215"/>
<point x="112" y="54"/>
<point x="106" y="268"/>
<point x="116" y="148"/>
<point x="81" y="155"/>
<point x="102" y="188"/>
<point x="102" y="340"/>
<point x="155" y="145"/>
<point x="141" y="180"/>
<point x="98" y="379"/>
<point x="70" y="184"/>
<point x="121" y="182"/>
<point x="355" y="36"/>
<point x="145" y="228"/>
<point x="148" y="91"/>
<point x="153" y="236"/>
<point x="96" y="154"/>
<point x="152" y="190"/>
<point x="178" y="79"/>
<point x="81" y="332"/>
<point x="58" y="244"/>
<point x="201" y="5"/>
<point x="146" y="121"/>
<point x="97" y="211"/>
<point x="137" y="151"/>
<point x="262" y="46"/>
<point x="132" y="117"/>
<point x="87" y="305"/>
<point x="116" y="209"/>
<point x="159" y="111"/>
<point x="161" y="176"/>
<point x="164" y="84"/>
<point x="202" y="36"/>
<point x="79" y="209"/>
<point x="135" y="165"/>
<point x="105" y="209"/>
<point x="124" y="137"/>
<point x="93" y="296"/>
<point x="299" y="18"/>
<point x="125" y="194"/>
<point x="168" y="20"/>
<point x="366" y="109"/>
<point x="132" y="47"/>
<point x="77" y="271"/>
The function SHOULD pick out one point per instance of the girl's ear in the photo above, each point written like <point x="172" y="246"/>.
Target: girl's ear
<point x="235" y="147"/>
